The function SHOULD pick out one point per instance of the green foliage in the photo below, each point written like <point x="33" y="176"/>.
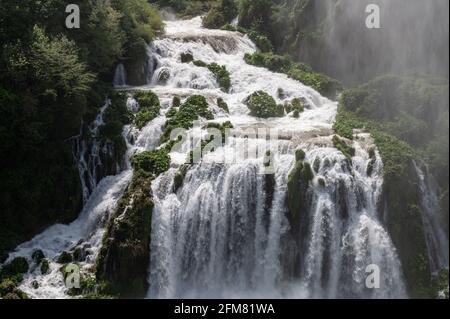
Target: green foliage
<point x="149" y="107"/>
<point x="261" y="41"/>
<point x="45" y="266"/>
<point x="14" y="269"/>
<point x="300" y="155"/>
<point x="342" y="146"/>
<point x="47" y="90"/>
<point x="262" y="105"/>
<point x="187" y="57"/>
<point x="123" y="260"/>
<point x="220" y="14"/>
<point x="295" y="106"/>
<point x="193" y="108"/>
<point x="297" y="71"/>
<point x="222" y="104"/>
<point x="153" y="162"/>
<point x="65" y="257"/>
<point x="179" y="177"/>
<point x="222" y="76"/>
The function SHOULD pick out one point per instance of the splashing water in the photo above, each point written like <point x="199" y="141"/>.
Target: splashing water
<point x="226" y="233"/>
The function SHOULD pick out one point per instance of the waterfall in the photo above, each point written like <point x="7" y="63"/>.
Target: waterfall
<point x="120" y="76"/>
<point x="435" y="236"/>
<point x="226" y="231"/>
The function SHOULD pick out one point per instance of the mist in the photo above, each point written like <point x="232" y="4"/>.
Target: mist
<point x="412" y="39"/>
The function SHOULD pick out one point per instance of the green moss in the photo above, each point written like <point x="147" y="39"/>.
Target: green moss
<point x="200" y="64"/>
<point x="262" y="105"/>
<point x="300" y="155"/>
<point x="149" y="107"/>
<point x="342" y="146"/>
<point x="179" y="177"/>
<point x="176" y="101"/>
<point x="295" y="106"/>
<point x="44" y="266"/>
<point x="187" y="57"/>
<point x="193" y="108"/>
<point x="317" y="165"/>
<point x="297" y="71"/>
<point x="221" y="13"/>
<point x="222" y="76"/>
<point x="153" y="162"/>
<point x="15" y="268"/>
<point x="64" y="258"/>
<point x="440" y="285"/>
<point x="200" y="148"/>
<point x="307" y="173"/>
<point x="123" y="260"/>
<point x="222" y="104"/>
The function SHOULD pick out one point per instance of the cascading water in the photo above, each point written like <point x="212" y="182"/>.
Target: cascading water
<point x="120" y="76"/>
<point x="435" y="235"/>
<point x="217" y="238"/>
<point x="226" y="231"/>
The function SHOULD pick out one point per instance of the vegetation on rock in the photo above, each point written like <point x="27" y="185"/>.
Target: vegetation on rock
<point x="261" y="104"/>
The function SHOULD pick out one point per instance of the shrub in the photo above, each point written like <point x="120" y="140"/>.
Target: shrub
<point x="222" y="76"/>
<point x="194" y="107"/>
<point x="153" y="162"/>
<point x="149" y="107"/>
<point x="342" y="146"/>
<point x="222" y="104"/>
<point x="262" y="105"/>
<point x="15" y="268"/>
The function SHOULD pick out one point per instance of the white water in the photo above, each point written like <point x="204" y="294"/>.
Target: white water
<point x="435" y="236"/>
<point x="87" y="231"/>
<point x="120" y="76"/>
<point x="215" y="237"/>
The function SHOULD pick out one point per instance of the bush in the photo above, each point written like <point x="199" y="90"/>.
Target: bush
<point x="262" y="105"/>
<point x="194" y="107"/>
<point x="222" y="104"/>
<point x="153" y="162"/>
<point x="149" y="108"/>
<point x="15" y="268"/>
<point x="297" y="71"/>
<point x="222" y="76"/>
<point x="342" y="146"/>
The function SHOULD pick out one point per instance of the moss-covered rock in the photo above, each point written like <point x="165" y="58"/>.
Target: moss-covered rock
<point x="261" y="104"/>
<point x="64" y="258"/>
<point x="222" y="104"/>
<point x="192" y="109"/>
<point x="179" y="177"/>
<point x="15" y="268"/>
<point x="342" y="146"/>
<point x="300" y="155"/>
<point x="123" y="260"/>
<point x="298" y="71"/>
<point x="9" y="290"/>
<point x="37" y="256"/>
<point x="149" y="107"/>
<point x="153" y="162"/>
<point x="45" y="266"/>
<point x="187" y="57"/>
<point x="222" y="76"/>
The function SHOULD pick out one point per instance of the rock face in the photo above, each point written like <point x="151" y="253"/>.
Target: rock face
<point x="124" y="258"/>
<point x="402" y="214"/>
<point x="140" y="70"/>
